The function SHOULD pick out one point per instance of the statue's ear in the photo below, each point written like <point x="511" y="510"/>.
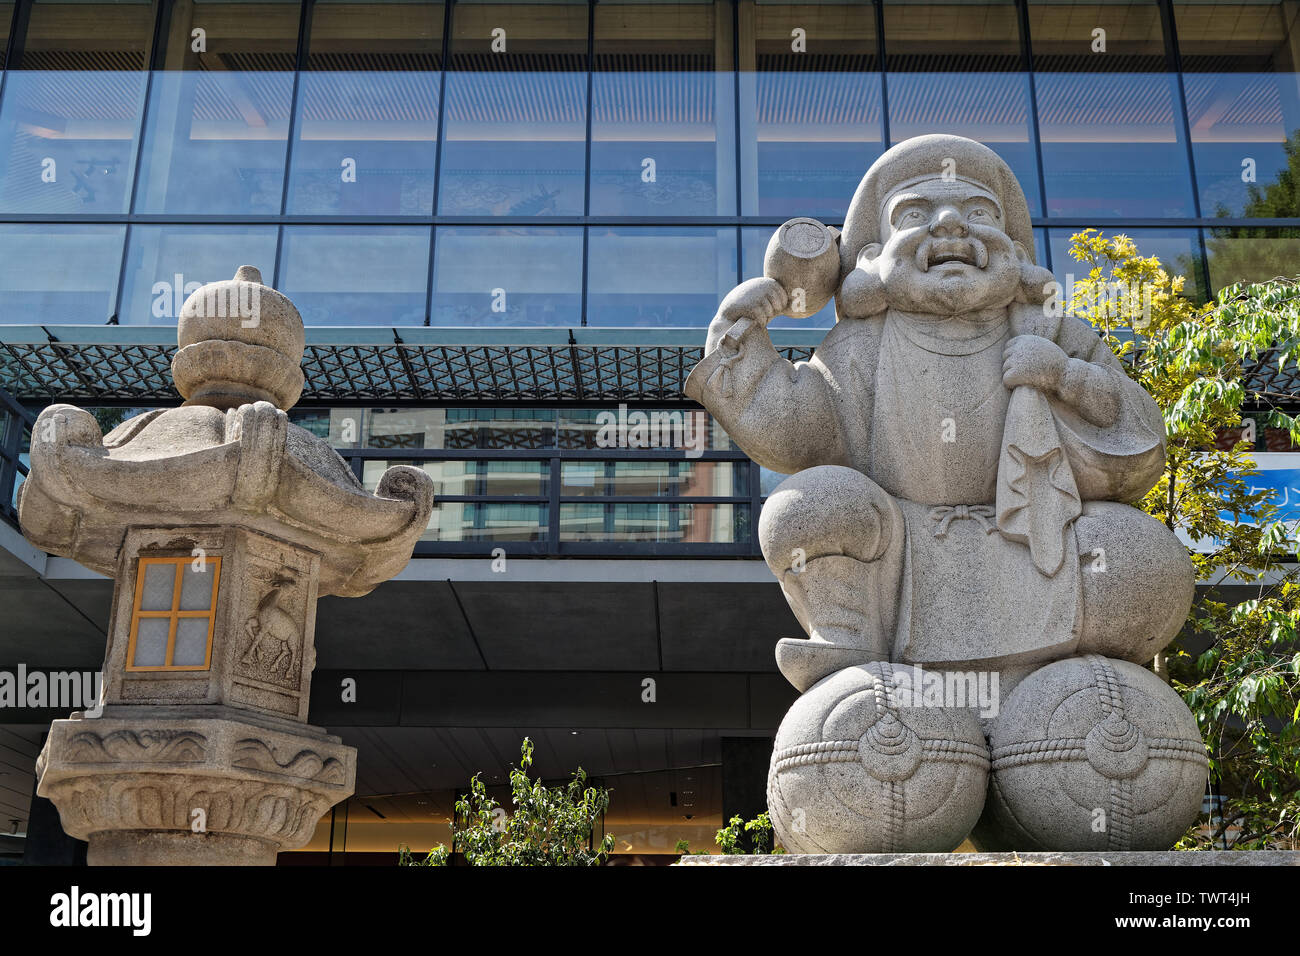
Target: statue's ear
<point x="869" y="253"/>
<point x="1021" y="252"/>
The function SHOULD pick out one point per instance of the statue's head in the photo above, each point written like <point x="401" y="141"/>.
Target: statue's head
<point x="940" y="225"/>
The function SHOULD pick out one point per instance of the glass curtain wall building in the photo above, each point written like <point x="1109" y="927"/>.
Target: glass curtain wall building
<point x="613" y="164"/>
<point x="476" y="192"/>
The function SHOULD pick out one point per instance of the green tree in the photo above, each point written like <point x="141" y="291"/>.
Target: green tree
<point x="1254" y="253"/>
<point x="729" y="838"/>
<point x="549" y="826"/>
<point x="1244" y="689"/>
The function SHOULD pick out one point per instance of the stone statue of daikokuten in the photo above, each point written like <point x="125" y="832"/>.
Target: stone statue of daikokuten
<point x="962" y="459"/>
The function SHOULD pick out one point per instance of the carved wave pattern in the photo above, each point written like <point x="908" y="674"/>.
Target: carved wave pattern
<point x="152" y="746"/>
<point x="252" y="754"/>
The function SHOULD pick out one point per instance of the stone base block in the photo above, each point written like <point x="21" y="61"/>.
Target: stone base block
<point x="153" y="790"/>
<point x="178" y="848"/>
<point x="1133" y="858"/>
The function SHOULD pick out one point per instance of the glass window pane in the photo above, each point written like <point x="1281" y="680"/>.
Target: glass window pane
<point x="810" y="118"/>
<point x="1235" y="256"/>
<point x="151" y="642"/>
<point x="196" y="587"/>
<point x="958" y="68"/>
<point x="219" y="116"/>
<point x="472" y="521"/>
<point x="498" y="428"/>
<point x="159" y="587"/>
<point x="713" y="479"/>
<point x="465" y="478"/>
<point x="356" y="275"/>
<point x="164" y="264"/>
<point x="584" y="478"/>
<point x="654" y="522"/>
<point x="1179" y="251"/>
<point x="72" y="107"/>
<point x="60" y="274"/>
<point x="1112" y="144"/>
<point x="366" y="131"/>
<point x="516" y="116"/>
<point x="1239" y="74"/>
<point x="687" y="428"/>
<point x="513" y="478"/>
<point x="663" y="110"/>
<point x="6" y="17"/>
<point x="641" y="478"/>
<point x="191" y="648"/>
<point x="514" y="276"/>
<point x="658" y="276"/>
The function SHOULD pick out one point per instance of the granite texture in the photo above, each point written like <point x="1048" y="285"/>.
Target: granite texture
<point x="1207" y="858"/>
<point x="962" y="462"/>
<point x="854" y="772"/>
<point x="204" y="757"/>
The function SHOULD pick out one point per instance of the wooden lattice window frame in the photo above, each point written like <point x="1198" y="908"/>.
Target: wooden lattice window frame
<point x="174" y="615"/>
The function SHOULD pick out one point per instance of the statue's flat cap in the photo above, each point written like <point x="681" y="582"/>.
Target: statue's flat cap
<point x="924" y="158"/>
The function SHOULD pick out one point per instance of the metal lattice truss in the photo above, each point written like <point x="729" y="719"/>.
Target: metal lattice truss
<point x="1268" y="385"/>
<point x="133" y="366"/>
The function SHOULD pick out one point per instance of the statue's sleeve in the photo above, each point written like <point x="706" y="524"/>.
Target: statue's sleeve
<point x="779" y="412"/>
<point x="1123" y="458"/>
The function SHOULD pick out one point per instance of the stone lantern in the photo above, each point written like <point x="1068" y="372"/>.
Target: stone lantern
<point x="221" y="523"/>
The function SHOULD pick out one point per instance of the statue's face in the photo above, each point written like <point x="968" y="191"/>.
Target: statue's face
<point x="945" y="250"/>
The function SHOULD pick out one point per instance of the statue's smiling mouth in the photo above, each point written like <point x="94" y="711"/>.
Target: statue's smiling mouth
<point x="939" y="252"/>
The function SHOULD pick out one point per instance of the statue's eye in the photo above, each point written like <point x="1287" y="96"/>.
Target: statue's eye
<point x="910" y="216"/>
<point x="979" y="214"/>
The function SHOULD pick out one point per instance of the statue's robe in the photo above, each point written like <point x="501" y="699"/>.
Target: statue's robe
<point x="918" y="405"/>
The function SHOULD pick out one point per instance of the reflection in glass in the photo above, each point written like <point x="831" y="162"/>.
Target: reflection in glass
<point x="1179" y="252"/>
<point x="164" y="264"/>
<point x="487" y="521"/>
<point x="655" y="479"/>
<point x="713" y="479"/>
<point x="516" y="118"/>
<point x="528" y="479"/>
<point x="1239" y="69"/>
<point x="663" y="110"/>
<point x="6" y="16"/>
<point x="658" y="276"/>
<point x="1111" y="141"/>
<point x="958" y="68"/>
<point x="59" y="273"/>
<point x="810" y="120"/>
<point x="356" y="275"/>
<point x="658" y="522"/>
<point x="72" y="107"/>
<point x="219" y="117"/>
<point x="366" y="131"/>
<point x="646" y="479"/>
<point x="1235" y="256"/>
<point x="479" y="521"/>
<point x="692" y="429"/>
<point x="507" y="275"/>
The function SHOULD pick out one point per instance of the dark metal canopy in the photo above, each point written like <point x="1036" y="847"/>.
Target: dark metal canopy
<point x="133" y="365"/>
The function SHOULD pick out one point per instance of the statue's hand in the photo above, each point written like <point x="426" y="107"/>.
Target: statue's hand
<point x="1033" y="360"/>
<point x="760" y="299"/>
